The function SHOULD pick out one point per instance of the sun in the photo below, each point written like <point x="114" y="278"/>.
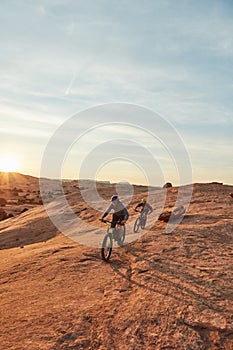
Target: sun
<point x="8" y="163"/>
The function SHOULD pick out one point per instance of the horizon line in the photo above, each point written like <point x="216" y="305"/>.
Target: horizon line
<point x="109" y="181"/>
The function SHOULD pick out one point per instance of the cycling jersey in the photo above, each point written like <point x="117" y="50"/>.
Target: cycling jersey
<point x="118" y="208"/>
<point x="146" y="208"/>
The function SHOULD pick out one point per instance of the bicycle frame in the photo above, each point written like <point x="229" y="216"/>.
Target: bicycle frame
<point x="107" y="244"/>
<point x="112" y="230"/>
<point x="140" y="221"/>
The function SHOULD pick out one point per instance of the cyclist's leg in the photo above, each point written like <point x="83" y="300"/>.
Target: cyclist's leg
<point x="117" y="218"/>
<point x="121" y="217"/>
<point x="113" y="225"/>
<point x="143" y="220"/>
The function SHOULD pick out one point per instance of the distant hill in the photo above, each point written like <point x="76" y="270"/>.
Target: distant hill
<point x="16" y="178"/>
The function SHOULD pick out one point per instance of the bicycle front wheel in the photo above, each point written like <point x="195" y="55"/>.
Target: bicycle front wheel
<point x="136" y="225"/>
<point x="106" y="249"/>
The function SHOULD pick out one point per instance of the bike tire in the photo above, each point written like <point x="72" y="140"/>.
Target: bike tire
<point x="136" y="225"/>
<point x="120" y="242"/>
<point x="106" y="249"/>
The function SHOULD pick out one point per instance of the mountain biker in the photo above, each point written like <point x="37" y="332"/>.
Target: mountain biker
<point x="120" y="214"/>
<point x="146" y="207"/>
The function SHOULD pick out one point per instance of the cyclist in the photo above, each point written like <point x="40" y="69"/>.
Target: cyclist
<point x="120" y="214"/>
<point x="146" y="208"/>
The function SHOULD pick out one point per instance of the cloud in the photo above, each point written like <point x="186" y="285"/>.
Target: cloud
<point x="41" y="10"/>
<point x="61" y="56"/>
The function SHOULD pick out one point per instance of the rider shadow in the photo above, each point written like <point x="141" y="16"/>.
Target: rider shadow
<point x="168" y="287"/>
<point x="118" y="266"/>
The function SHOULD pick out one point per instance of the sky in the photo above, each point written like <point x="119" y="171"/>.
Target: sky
<point x="174" y="58"/>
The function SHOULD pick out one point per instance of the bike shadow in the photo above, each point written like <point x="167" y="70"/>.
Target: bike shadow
<point x="169" y="279"/>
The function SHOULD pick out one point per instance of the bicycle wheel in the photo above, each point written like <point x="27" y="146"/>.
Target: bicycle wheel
<point x="106" y="249"/>
<point x="121" y="234"/>
<point x="137" y="224"/>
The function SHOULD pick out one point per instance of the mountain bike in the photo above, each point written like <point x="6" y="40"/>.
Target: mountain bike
<point x="140" y="221"/>
<point x="113" y="234"/>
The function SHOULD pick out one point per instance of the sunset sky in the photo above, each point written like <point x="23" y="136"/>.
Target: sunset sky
<point x="61" y="57"/>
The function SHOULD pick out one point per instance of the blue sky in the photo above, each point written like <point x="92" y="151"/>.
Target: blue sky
<point x="176" y="58"/>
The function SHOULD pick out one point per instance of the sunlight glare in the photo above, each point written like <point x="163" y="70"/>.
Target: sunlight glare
<point x="8" y="163"/>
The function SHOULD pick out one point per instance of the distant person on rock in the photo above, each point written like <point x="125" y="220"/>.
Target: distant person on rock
<point x="146" y="208"/>
<point x="120" y="214"/>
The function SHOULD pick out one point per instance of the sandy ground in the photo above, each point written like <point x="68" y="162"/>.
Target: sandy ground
<point x="160" y="291"/>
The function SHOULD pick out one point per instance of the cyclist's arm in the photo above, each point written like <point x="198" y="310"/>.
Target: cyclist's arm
<point x="150" y="209"/>
<point x="138" y="206"/>
<point x="107" y="212"/>
<point x="104" y="215"/>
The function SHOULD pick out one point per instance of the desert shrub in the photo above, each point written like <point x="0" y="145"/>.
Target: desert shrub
<point x="38" y="200"/>
<point x="3" y="215"/>
<point x="15" y="192"/>
<point x="3" y="202"/>
<point x="21" y="201"/>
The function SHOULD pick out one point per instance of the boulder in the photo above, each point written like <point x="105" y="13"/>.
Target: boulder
<point x="167" y="185"/>
<point x="165" y="216"/>
<point x="175" y="214"/>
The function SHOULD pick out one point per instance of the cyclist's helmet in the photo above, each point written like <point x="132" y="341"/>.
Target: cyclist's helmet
<point x="114" y="198"/>
<point x="144" y="200"/>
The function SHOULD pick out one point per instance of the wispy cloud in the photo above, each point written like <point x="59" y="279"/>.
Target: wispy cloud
<point x="59" y="57"/>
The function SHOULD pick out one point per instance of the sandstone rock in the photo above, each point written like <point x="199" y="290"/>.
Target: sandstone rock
<point x="175" y="214"/>
<point x="165" y="216"/>
<point x="167" y="185"/>
<point x="157" y="292"/>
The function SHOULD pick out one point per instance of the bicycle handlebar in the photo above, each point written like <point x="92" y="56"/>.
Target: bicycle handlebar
<point x="110" y="222"/>
<point x="105" y="221"/>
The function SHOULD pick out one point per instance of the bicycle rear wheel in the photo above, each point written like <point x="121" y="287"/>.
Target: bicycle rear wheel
<point x="106" y="249"/>
<point x="136" y="225"/>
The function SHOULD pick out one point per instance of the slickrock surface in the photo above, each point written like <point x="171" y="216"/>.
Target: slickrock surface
<point x="162" y="291"/>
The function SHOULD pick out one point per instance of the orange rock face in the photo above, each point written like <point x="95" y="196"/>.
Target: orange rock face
<point x="161" y="291"/>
